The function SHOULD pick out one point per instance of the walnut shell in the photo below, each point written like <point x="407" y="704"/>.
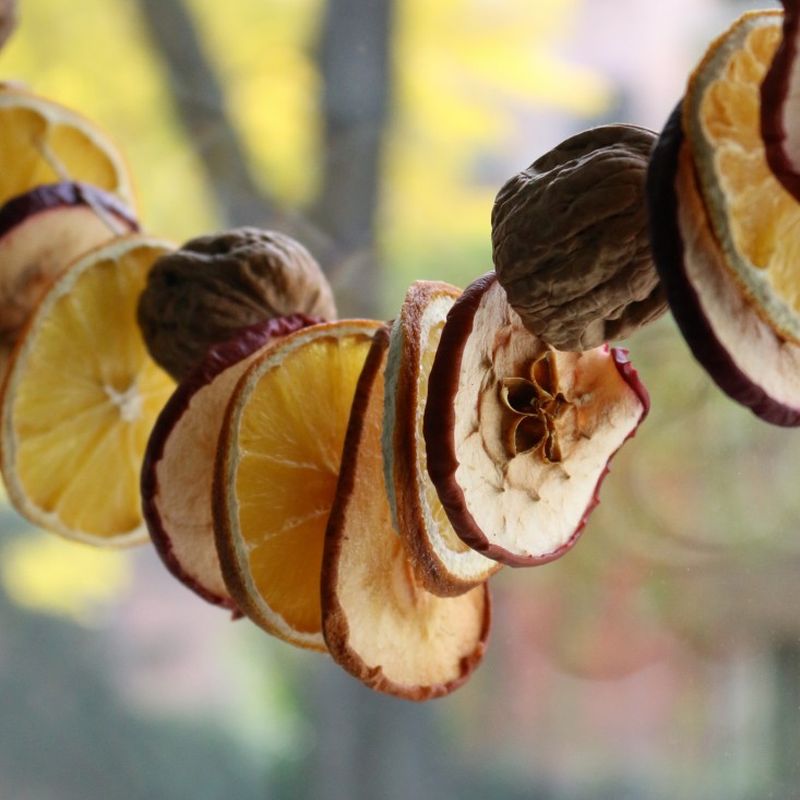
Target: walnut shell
<point x="570" y="240"/>
<point x="215" y="285"/>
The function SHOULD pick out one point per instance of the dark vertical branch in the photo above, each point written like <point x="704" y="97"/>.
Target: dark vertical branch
<point x="8" y="19"/>
<point x="199" y="102"/>
<point x="355" y="62"/>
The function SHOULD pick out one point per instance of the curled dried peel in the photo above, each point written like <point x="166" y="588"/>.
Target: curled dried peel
<point x="522" y="504"/>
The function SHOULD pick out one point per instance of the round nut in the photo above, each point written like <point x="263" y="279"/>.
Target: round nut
<point x="215" y="285"/>
<point x="570" y="240"/>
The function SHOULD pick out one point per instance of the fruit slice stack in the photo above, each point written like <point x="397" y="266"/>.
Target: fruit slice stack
<point x="724" y="226"/>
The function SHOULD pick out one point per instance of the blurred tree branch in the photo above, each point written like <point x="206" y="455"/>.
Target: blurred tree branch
<point x="8" y="19"/>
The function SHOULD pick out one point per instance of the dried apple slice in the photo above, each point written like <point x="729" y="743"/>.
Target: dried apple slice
<point x="740" y="351"/>
<point x="178" y="467"/>
<point x="780" y="104"/>
<point x="379" y="622"/>
<point x="444" y="564"/>
<point x="519" y="436"/>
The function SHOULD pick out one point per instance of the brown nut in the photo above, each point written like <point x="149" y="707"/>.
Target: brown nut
<point x="215" y="285"/>
<point x="570" y="240"/>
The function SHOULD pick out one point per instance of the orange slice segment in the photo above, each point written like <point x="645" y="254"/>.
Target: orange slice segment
<point x="44" y="142"/>
<point x="754" y="219"/>
<point x="81" y="397"/>
<point x="445" y="565"/>
<point x="380" y="623"/>
<point x="277" y="465"/>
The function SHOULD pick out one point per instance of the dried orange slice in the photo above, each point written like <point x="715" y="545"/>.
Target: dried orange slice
<point x="444" y="564"/>
<point x="754" y="219"/>
<point x="379" y="621"/>
<point x="178" y="468"/>
<point x="44" y="142"/>
<point x="277" y="465"/>
<point x="80" y="398"/>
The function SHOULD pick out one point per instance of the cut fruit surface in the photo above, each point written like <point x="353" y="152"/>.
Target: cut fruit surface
<point x="380" y="623"/>
<point x="780" y="104"/>
<point x="277" y="465"/>
<point x="753" y="217"/>
<point x="80" y="398"/>
<point x="519" y="436"/>
<point x="741" y="352"/>
<point x="178" y="467"/>
<point x="44" y="142"/>
<point x="445" y="565"/>
<point x="41" y="232"/>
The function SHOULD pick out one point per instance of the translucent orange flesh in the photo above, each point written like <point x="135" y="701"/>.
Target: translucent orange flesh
<point x="762" y="218"/>
<point x="34" y="151"/>
<point x="290" y="446"/>
<point x="86" y="400"/>
<point x="448" y="535"/>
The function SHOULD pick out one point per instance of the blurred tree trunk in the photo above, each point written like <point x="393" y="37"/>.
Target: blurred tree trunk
<point x="355" y="64"/>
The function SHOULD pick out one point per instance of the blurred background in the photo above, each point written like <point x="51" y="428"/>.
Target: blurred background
<point x="658" y="659"/>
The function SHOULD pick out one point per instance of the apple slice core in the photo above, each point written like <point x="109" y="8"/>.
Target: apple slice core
<point x="519" y="435"/>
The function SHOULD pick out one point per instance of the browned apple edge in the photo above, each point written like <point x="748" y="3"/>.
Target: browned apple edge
<point x="66" y="193"/>
<point x="335" y="626"/>
<point x="218" y="358"/>
<point x="440" y="413"/>
<point x="775" y="94"/>
<point x="669" y="255"/>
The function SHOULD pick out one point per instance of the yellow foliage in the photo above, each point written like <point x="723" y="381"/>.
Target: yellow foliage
<point x="45" y="573"/>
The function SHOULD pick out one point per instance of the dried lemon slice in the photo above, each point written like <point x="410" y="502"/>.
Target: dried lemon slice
<point x="277" y="465"/>
<point x="44" y="142"/>
<point x="80" y="399"/>
<point x="754" y="219"/>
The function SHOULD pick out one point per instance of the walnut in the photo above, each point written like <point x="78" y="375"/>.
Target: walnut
<point x="215" y="285"/>
<point x="570" y="240"/>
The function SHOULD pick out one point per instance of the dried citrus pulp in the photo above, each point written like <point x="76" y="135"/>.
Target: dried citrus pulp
<point x="277" y="465"/>
<point x="44" y="142"/>
<point x="445" y="565"/>
<point x="379" y="621"/>
<point x="80" y="398"/>
<point x="754" y="218"/>
<point x="178" y="468"/>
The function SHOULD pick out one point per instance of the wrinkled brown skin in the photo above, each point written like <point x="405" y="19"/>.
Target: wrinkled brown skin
<point x="669" y="256"/>
<point x="215" y="285"/>
<point x="432" y="574"/>
<point x="570" y="240"/>
<point x="439" y="427"/>
<point x="217" y="359"/>
<point x="8" y="19"/>
<point x="774" y="93"/>
<point x="335" y="625"/>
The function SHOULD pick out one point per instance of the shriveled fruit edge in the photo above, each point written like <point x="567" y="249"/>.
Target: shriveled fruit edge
<point x="49" y="196"/>
<point x="217" y="359"/>
<point x="684" y="301"/>
<point x="56" y="112"/>
<point x="774" y="311"/>
<point x="16" y="494"/>
<point x="780" y="83"/>
<point x="234" y="567"/>
<point x="440" y="412"/>
<point x="400" y="437"/>
<point x="334" y="621"/>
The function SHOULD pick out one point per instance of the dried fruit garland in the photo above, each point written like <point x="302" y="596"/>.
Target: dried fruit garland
<point x="351" y="486"/>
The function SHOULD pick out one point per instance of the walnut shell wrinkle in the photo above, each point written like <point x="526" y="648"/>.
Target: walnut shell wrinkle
<point x="216" y="285"/>
<point x="570" y="240"/>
